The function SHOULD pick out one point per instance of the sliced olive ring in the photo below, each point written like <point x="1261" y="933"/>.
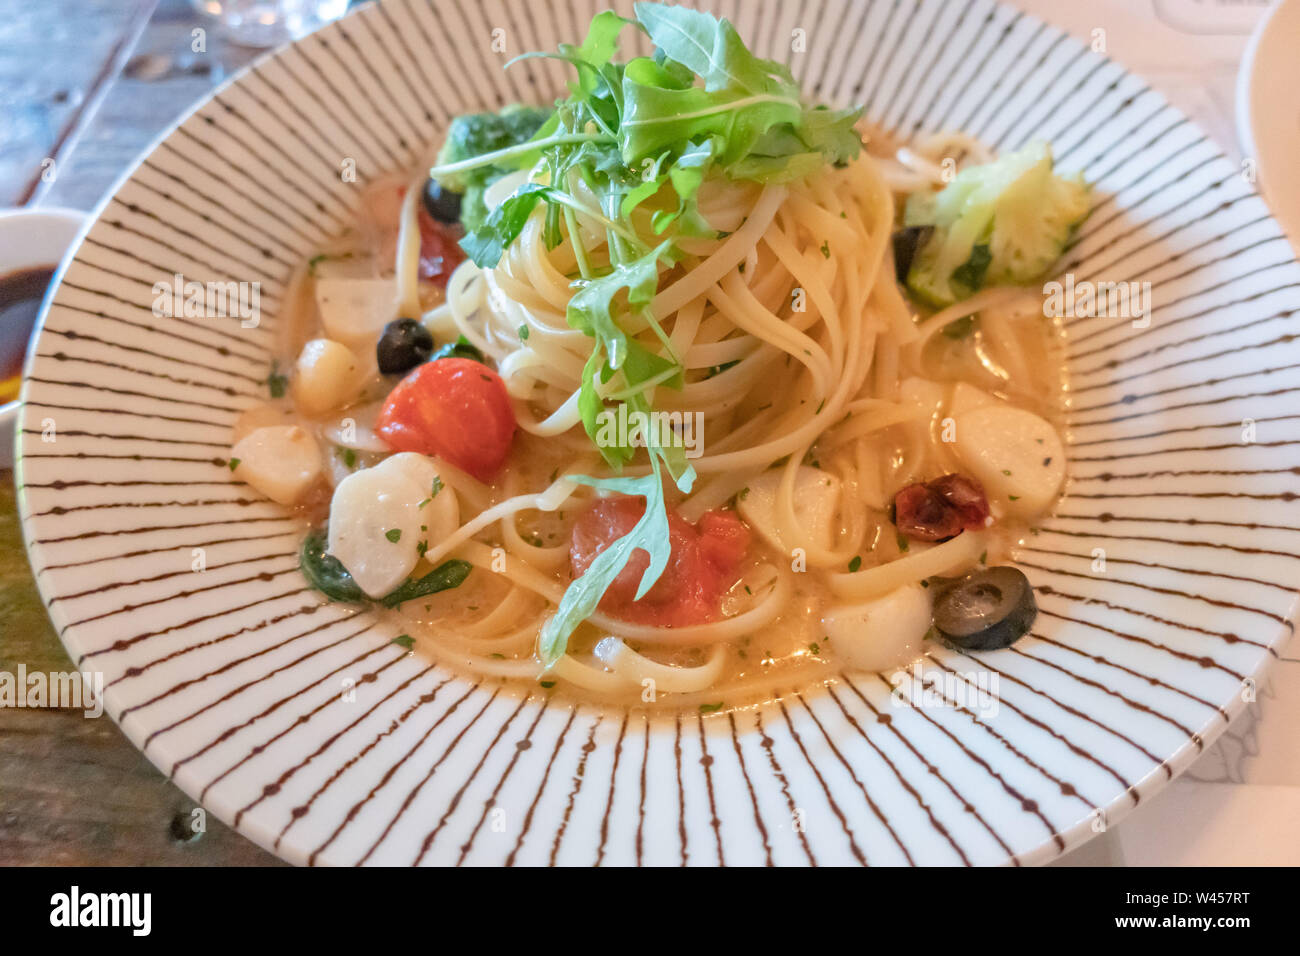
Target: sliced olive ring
<point x="404" y="344"/>
<point x="985" y="610"/>
<point x="442" y="204"/>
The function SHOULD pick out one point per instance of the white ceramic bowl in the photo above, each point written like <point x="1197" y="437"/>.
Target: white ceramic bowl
<point x="1166" y="579"/>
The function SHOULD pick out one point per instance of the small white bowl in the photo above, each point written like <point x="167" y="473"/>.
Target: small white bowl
<point x="30" y="238"/>
<point x="1268" y="112"/>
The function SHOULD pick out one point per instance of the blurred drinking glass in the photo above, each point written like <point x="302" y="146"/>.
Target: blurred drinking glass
<point x="268" y="23"/>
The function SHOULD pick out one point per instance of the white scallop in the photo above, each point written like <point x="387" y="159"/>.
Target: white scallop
<point x="1015" y="454"/>
<point x="816" y="504"/>
<point x="368" y="510"/>
<point x="328" y="375"/>
<point x="355" y="311"/>
<point x="967" y="398"/>
<point x="439" y="508"/>
<point x="882" y="633"/>
<point x="265" y="415"/>
<point x="280" y="461"/>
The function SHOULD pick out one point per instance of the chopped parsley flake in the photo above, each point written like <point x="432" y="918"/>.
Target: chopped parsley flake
<point x="277" y="383"/>
<point x="393" y="534"/>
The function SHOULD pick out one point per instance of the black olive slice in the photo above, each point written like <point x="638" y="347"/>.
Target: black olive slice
<point x="986" y="609"/>
<point x="404" y="344"/>
<point x="442" y="204"/>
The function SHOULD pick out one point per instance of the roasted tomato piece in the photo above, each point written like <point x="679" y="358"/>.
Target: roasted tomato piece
<point x="440" y="251"/>
<point x="967" y="496"/>
<point x="454" y="408"/>
<point x="937" y="510"/>
<point x="704" y="562"/>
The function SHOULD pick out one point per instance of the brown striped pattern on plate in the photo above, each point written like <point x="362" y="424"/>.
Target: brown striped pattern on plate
<point x="298" y="722"/>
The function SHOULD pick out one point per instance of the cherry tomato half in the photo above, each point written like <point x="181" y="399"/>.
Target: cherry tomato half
<point x="454" y="408"/>
<point x="704" y="562"/>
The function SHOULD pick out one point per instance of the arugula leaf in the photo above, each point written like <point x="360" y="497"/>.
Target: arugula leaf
<point x="710" y="48"/>
<point x="486" y="244"/>
<point x="591" y="310"/>
<point x="650" y="535"/>
<point x="636" y="141"/>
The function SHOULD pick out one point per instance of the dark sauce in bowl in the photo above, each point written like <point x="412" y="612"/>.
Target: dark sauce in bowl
<point x="21" y="293"/>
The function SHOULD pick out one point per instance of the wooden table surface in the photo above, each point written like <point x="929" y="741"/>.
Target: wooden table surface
<point x="88" y="83"/>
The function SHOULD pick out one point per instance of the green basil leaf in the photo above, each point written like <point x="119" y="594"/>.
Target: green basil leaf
<point x="325" y="572"/>
<point x="450" y="574"/>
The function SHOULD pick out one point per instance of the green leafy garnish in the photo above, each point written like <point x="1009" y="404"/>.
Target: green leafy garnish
<point x="710" y="708"/>
<point x="404" y="640"/>
<point x="445" y="576"/>
<point x="277" y="383"/>
<point x="649" y="534"/>
<point x="652" y="128"/>
<point x="627" y="152"/>
<point x="326" y="573"/>
<point x="393" y="534"/>
<point x="855" y="563"/>
<point x="461" y="348"/>
<point x="480" y="134"/>
<point x="234" y="463"/>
